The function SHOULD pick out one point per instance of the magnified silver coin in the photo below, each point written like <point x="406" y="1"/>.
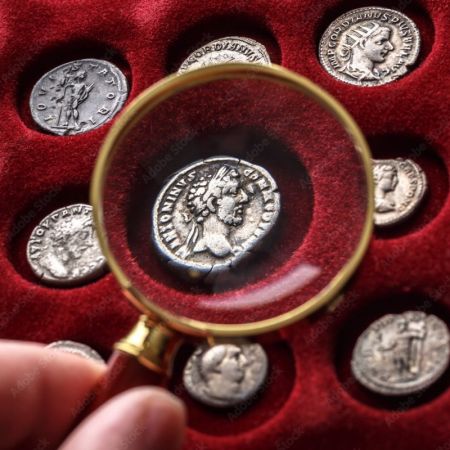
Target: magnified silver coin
<point x="402" y="354"/>
<point x="63" y="248"/>
<point x="78" y="96"/>
<point x="76" y="348"/>
<point x="231" y="49"/>
<point x="400" y="185"/>
<point x="369" y="46"/>
<point x="226" y="374"/>
<point x="212" y="213"/>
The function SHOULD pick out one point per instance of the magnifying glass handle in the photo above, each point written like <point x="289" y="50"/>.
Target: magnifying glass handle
<point x="142" y="358"/>
<point x="124" y="372"/>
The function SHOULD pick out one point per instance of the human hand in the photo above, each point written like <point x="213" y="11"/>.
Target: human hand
<point x="42" y="392"/>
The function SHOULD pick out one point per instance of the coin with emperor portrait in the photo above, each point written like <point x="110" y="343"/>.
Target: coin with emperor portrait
<point x="369" y="46"/>
<point x="211" y="214"/>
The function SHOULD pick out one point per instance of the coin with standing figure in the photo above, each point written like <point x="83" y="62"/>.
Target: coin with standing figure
<point x="369" y="46"/>
<point x="402" y="354"/>
<point x="78" y="96"/>
<point x="63" y="248"/>
<point x="226" y="374"/>
<point x="400" y="186"/>
<point x="76" y="348"/>
<point x="211" y="214"/>
<point x="231" y="49"/>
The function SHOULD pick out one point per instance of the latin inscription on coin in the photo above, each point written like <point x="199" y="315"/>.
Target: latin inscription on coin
<point x="400" y="185"/>
<point x="212" y="213"/>
<point x="369" y="46"/>
<point x="63" y="249"/>
<point x="76" y="348"/>
<point x="78" y="96"/>
<point x="226" y="50"/>
<point x="226" y="374"/>
<point x="402" y="353"/>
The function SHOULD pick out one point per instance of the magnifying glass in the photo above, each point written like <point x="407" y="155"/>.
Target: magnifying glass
<point x="229" y="201"/>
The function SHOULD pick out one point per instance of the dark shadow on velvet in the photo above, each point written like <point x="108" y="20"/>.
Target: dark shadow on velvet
<point x="254" y="146"/>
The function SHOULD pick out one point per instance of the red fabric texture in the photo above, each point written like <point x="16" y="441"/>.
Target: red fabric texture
<point x="311" y="401"/>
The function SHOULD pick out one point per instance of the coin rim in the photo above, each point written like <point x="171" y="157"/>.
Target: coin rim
<point x="262" y="49"/>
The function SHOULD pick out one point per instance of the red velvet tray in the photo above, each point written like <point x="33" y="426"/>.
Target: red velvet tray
<point x="310" y="399"/>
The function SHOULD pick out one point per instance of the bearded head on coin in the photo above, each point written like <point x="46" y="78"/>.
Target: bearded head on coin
<point x="210" y="214"/>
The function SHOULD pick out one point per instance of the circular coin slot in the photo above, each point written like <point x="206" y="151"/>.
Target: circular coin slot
<point x="423" y="153"/>
<point x="256" y="147"/>
<point x="55" y="56"/>
<point x="217" y="27"/>
<point x="395" y="303"/>
<point x="254" y="412"/>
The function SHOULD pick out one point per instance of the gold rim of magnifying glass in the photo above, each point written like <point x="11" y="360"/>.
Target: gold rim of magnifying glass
<point x="173" y="84"/>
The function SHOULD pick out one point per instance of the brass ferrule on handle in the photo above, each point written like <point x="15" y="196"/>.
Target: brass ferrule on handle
<point x="152" y="343"/>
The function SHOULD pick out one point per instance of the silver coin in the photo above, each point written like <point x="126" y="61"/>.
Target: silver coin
<point x="63" y="248"/>
<point x="212" y="213"/>
<point x="76" y="348"/>
<point x="225" y="375"/>
<point x="369" y="46"/>
<point x="78" y="96"/>
<point x="231" y="49"/>
<point x="400" y="185"/>
<point x="401" y="354"/>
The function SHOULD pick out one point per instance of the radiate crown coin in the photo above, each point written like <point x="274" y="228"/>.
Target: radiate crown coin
<point x="63" y="248"/>
<point x="212" y="213"/>
<point x="400" y="185"/>
<point x="226" y="50"/>
<point x="401" y="354"/>
<point x="369" y="46"/>
<point x="78" y="96"/>
<point x="76" y="348"/>
<point x="225" y="375"/>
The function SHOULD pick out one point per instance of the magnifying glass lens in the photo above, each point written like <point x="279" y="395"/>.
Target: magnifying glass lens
<point x="233" y="197"/>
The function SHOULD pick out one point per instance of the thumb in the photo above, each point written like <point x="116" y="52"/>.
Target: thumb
<point x="144" y="418"/>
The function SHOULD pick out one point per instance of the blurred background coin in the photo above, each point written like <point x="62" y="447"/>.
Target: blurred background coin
<point x="402" y="354"/>
<point x="225" y="375"/>
<point x="231" y="49"/>
<point x="63" y="249"/>
<point x="76" y="348"/>
<point x="400" y="185"/>
<point x="369" y="46"/>
<point x="78" y="96"/>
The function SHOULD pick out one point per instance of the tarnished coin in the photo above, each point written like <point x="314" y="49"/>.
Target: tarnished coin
<point x="212" y="213"/>
<point x="231" y="49"/>
<point x="225" y="374"/>
<point x="400" y="185"/>
<point x="369" y="46"/>
<point x="402" y="354"/>
<point x="76" y="348"/>
<point x="78" y="96"/>
<point x="63" y="249"/>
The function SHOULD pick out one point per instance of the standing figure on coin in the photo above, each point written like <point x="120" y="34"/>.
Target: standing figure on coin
<point x="364" y="47"/>
<point x="216" y="205"/>
<point x="386" y="180"/>
<point x="75" y="91"/>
